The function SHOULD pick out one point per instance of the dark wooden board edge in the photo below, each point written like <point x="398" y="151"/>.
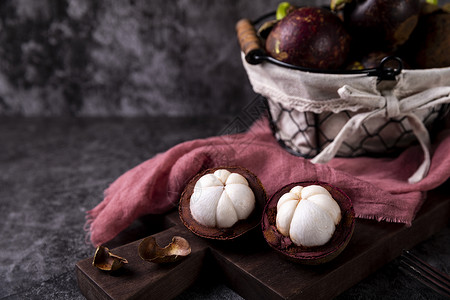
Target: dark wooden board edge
<point x="138" y="279"/>
<point x="252" y="271"/>
<point x="345" y="271"/>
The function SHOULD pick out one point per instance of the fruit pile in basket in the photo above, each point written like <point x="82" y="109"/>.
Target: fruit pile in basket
<point x="357" y="34"/>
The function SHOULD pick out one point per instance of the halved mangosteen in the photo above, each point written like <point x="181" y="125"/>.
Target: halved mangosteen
<point x="316" y="253"/>
<point x="229" y="183"/>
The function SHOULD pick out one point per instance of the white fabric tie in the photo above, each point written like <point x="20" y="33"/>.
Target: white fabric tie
<point x="386" y="104"/>
<point x="392" y="104"/>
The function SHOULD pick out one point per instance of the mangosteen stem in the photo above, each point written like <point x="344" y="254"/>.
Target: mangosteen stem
<point x="282" y="10"/>
<point x="336" y="5"/>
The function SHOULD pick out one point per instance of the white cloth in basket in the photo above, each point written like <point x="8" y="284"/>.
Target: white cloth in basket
<point x="362" y="99"/>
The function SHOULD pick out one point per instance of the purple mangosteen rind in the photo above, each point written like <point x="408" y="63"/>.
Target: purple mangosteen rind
<point x="309" y="255"/>
<point x="239" y="228"/>
<point x="310" y="37"/>
<point x="382" y="24"/>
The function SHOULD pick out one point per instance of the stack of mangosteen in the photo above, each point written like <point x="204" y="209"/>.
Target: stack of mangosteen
<point x="357" y="34"/>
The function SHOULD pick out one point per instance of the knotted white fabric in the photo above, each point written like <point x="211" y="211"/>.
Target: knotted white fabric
<point x="388" y="105"/>
<point x="408" y="96"/>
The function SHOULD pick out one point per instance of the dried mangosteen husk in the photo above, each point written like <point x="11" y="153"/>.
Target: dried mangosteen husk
<point x="107" y="261"/>
<point x="238" y="229"/>
<point x="149" y="250"/>
<point x="309" y="255"/>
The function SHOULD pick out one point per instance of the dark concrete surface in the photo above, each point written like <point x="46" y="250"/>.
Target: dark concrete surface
<point x="52" y="170"/>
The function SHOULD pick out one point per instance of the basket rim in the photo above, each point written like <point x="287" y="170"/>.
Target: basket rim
<point x="382" y="72"/>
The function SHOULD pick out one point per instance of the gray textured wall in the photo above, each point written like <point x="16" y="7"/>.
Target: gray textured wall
<point x="123" y="57"/>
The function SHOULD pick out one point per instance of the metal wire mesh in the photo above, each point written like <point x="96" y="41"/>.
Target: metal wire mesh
<point x="306" y="133"/>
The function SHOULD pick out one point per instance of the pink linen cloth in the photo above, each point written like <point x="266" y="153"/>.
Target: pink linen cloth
<point x="378" y="187"/>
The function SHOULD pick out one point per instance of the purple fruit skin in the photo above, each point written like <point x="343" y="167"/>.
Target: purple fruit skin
<point x="432" y="42"/>
<point x="382" y="24"/>
<point x="310" y="37"/>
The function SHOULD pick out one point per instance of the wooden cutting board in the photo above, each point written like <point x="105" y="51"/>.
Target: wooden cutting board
<point x="253" y="270"/>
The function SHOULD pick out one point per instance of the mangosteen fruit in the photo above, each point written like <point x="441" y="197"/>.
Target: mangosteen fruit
<point x="283" y="9"/>
<point x="429" y="45"/>
<point x="309" y="37"/>
<point x="381" y="24"/>
<point x="308" y="222"/>
<point x="222" y="203"/>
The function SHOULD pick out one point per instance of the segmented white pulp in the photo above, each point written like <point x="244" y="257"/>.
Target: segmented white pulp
<point x="308" y="215"/>
<point x="222" y="198"/>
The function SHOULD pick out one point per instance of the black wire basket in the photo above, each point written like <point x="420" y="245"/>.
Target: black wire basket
<point x="345" y="113"/>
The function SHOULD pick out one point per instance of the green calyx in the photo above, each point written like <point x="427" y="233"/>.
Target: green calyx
<point x="282" y="10"/>
<point x="336" y="5"/>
